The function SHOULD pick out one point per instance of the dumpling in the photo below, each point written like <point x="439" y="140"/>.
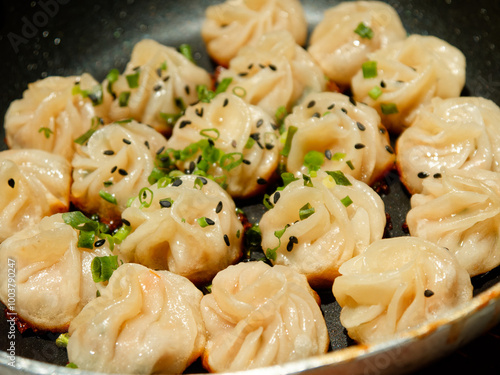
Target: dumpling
<point x="349" y="134"/>
<point x="341" y="42"/>
<point x="114" y="166"/>
<point x="157" y="83"/>
<point x="274" y="72"/>
<point x="401" y="78"/>
<point x="35" y="184"/>
<point x="398" y="284"/>
<point x="188" y="227"/>
<point x="259" y="316"/>
<point x="316" y="226"/>
<point x="54" y="112"/>
<point x="245" y="136"/>
<point x="461" y="211"/>
<point x="144" y="322"/>
<point x="452" y="133"/>
<point x="231" y="25"/>
<point x="53" y="275"/>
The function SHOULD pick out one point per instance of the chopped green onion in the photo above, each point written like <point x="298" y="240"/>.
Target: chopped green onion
<point x="78" y="220"/>
<point x="338" y="156"/>
<point x="288" y="143"/>
<point x="121" y="233"/>
<point x="223" y="85"/>
<point x="186" y="51"/>
<point x="163" y="65"/>
<point x="271" y="253"/>
<point x="107" y="197"/>
<point x="81" y="140"/>
<point x="267" y="202"/>
<point x="113" y="75"/>
<point x="346" y="201"/>
<point x="46" y="132"/>
<point x="250" y="143"/>
<point x="198" y="184"/>
<point x="280" y="115"/>
<point x="133" y="79"/>
<point x="179" y="102"/>
<point x="287" y="178"/>
<point x="94" y="94"/>
<point x="62" y="340"/>
<point x="339" y="177"/>
<point x="143" y="195"/>
<point x="307" y="180"/>
<point x="71" y="365"/>
<point x="389" y="108"/>
<point x="239" y="91"/>
<point x="170" y="118"/>
<point x="313" y="160"/>
<point x="103" y="267"/>
<point x="350" y="165"/>
<point x="364" y="31"/>
<point x="231" y="160"/>
<point x="369" y="69"/>
<point x="306" y="211"/>
<point x="126" y="121"/>
<point x="375" y="92"/>
<point x="204" y="222"/>
<point x="107" y="183"/>
<point x="206" y="133"/>
<point x="123" y="98"/>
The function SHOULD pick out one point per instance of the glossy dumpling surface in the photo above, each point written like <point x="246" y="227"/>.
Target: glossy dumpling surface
<point x="235" y="23"/>
<point x="322" y="229"/>
<point x="34" y="184"/>
<point x="157" y="82"/>
<point x="53" y="112"/>
<point x="461" y="211"/>
<point x="190" y="228"/>
<point x="53" y="275"/>
<point x="144" y="322"/>
<point x="398" y="284"/>
<point x="114" y="166"/>
<point x="460" y="133"/>
<point x="339" y="50"/>
<point x="243" y="132"/>
<point x="408" y="75"/>
<point x="350" y="136"/>
<point x="274" y="72"/>
<point x="258" y="316"/>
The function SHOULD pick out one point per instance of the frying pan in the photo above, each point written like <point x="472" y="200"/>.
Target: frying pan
<point x="64" y="37"/>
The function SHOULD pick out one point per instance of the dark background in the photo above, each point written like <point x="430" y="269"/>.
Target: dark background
<point x="95" y="36"/>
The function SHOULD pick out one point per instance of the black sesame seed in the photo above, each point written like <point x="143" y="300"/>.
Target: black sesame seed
<point x="259" y="123"/>
<point x="243" y="74"/>
<point x="166" y="78"/>
<point x="226" y="240"/>
<point x="272" y="67"/>
<point x="184" y="124"/>
<point x="146" y="143"/>
<point x="209" y="221"/>
<point x="276" y="197"/>
<point x="158" y="72"/>
<point x="423" y="175"/>
<point x="164" y="159"/>
<point x="126" y="141"/>
<point x="437" y="175"/>
<point x="199" y="112"/>
<point x="250" y="66"/>
<point x="382" y="84"/>
<point x="160" y="150"/>
<point x="269" y="146"/>
<point x="316" y="114"/>
<point x="187" y="89"/>
<point x="261" y="66"/>
<point x="211" y="142"/>
<point x="359" y="146"/>
<point x="332" y="106"/>
<point x="353" y="102"/>
<point x="165" y="203"/>
<point x="428" y="293"/>
<point x="292" y="240"/>
<point x="135" y="69"/>
<point x="11" y="183"/>
<point x="381" y="130"/>
<point x="192" y="166"/>
<point x="261" y="181"/>
<point x="123" y="172"/>
<point x="344" y="110"/>
<point x="113" y="170"/>
<point x="99" y="243"/>
<point x="203" y="180"/>
<point x="126" y="222"/>
<point x="245" y="161"/>
<point x="389" y="149"/>
<point x="108" y="152"/>
<point x="234" y="143"/>
<point x="218" y="209"/>
<point x="226" y="102"/>
<point x="157" y="87"/>
<point x="311" y="104"/>
<point x="361" y="126"/>
<point x="177" y="182"/>
<point x="328" y="154"/>
<point x="198" y="159"/>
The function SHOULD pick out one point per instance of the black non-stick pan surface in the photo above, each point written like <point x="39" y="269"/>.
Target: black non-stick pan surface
<point x="64" y="37"/>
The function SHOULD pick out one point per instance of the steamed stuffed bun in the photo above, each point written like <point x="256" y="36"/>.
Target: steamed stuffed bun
<point x="54" y="112"/>
<point x="35" y="184"/>
<point x="348" y="134"/>
<point x="258" y="316"/>
<point x="458" y="133"/>
<point x="187" y="225"/>
<point x="274" y="72"/>
<point x="144" y="322"/>
<point x="231" y="25"/>
<point x="325" y="223"/>
<point x="461" y="211"/>
<point x="53" y="275"/>
<point x="398" y="284"/>
<point x="114" y="166"/>
<point x="156" y="85"/>
<point x="233" y="141"/>
<point x="404" y="76"/>
<point x="341" y="42"/>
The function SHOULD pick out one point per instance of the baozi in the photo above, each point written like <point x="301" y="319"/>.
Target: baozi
<point x="235" y="23"/>
<point x="258" y="316"/>
<point x="398" y="284"/>
<point x="144" y="322"/>
<point x="188" y="226"/>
